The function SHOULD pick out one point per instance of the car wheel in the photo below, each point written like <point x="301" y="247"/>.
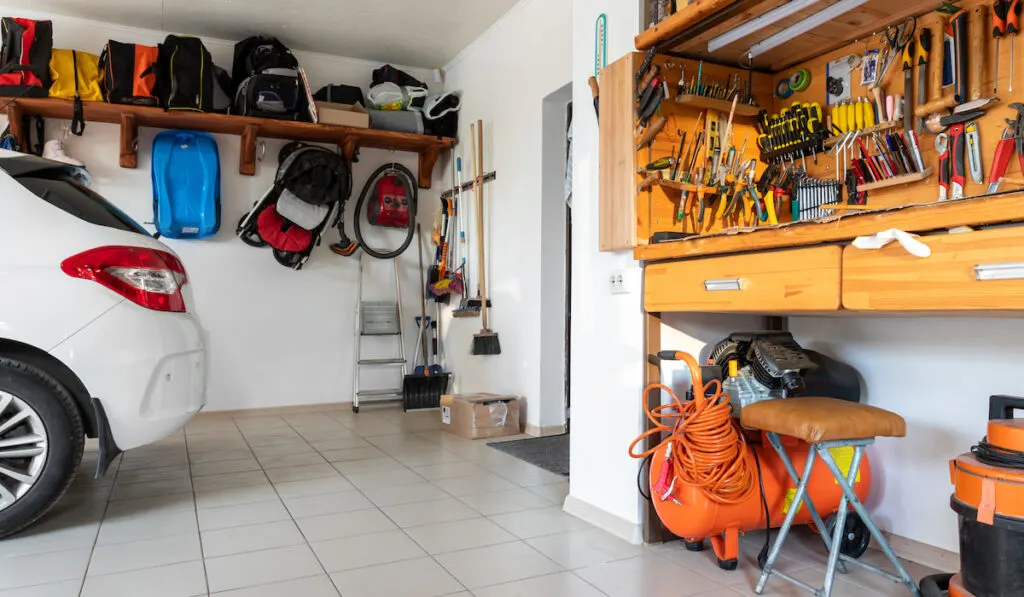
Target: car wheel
<point x="41" y="444"/>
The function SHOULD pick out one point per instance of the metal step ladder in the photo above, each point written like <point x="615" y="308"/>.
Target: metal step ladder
<point x="378" y="319"/>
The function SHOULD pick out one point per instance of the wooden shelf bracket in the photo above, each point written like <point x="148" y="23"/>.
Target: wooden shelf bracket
<point x="129" y="156"/>
<point x="247" y="156"/>
<point x="428" y="158"/>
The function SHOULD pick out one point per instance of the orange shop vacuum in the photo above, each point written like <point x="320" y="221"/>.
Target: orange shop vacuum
<point x="710" y="479"/>
<point x="989" y="502"/>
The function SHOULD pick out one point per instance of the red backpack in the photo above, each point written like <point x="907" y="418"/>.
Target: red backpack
<point x="25" y="57"/>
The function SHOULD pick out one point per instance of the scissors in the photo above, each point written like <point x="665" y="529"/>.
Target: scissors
<point x="896" y="37"/>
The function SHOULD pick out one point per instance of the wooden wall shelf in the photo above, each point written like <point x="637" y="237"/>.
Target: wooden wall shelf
<point x="979" y="211"/>
<point x="864" y="132"/>
<point x="250" y="129"/>
<point x="896" y="180"/>
<point x="710" y="103"/>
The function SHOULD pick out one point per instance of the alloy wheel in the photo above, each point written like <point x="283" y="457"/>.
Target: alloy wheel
<point x="23" y="448"/>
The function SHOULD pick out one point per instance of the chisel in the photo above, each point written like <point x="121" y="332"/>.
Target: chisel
<point x="653" y="130"/>
<point x="924" y="48"/>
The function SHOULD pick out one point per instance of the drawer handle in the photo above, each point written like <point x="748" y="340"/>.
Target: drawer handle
<point x="726" y="284"/>
<point x="999" y="271"/>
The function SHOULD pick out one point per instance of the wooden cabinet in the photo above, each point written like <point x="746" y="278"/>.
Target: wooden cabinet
<point x="773" y="282"/>
<point x="971" y="271"/>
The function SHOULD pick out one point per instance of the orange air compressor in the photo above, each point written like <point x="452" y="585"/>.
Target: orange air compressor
<point x="722" y="480"/>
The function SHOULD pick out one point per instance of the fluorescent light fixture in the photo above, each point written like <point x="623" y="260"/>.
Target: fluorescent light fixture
<point x="754" y="25"/>
<point x="722" y="285"/>
<point x="813" y="22"/>
<point x="999" y="271"/>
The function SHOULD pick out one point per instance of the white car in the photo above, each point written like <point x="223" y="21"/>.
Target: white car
<point x="98" y="335"/>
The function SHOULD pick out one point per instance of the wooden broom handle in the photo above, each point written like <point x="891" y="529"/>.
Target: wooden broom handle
<point x="477" y="141"/>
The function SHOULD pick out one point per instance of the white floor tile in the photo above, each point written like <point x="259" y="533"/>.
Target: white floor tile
<point x="345" y="455"/>
<point x="503" y="502"/>
<point x="556" y="492"/>
<point x="366" y="550"/>
<point x="476" y="484"/>
<point x="261" y="567"/>
<point x="148" y="553"/>
<point x="537" y="523"/>
<point x="150" y="505"/>
<point x="230" y="541"/>
<point x="67" y="526"/>
<point x="298" y="473"/>
<point x="413" y="578"/>
<point x="370" y="465"/>
<point x="449" y="470"/>
<point x="219" y="498"/>
<point x="587" y="547"/>
<point x="221" y="467"/>
<point x="290" y="460"/>
<point x="384" y="479"/>
<point x="230" y="480"/>
<point x="349" y="442"/>
<point x="328" y="503"/>
<point x="308" y="487"/>
<point x="645" y="576"/>
<point x="562" y="584"/>
<point x="444" y="510"/>
<point x="531" y="476"/>
<point x="410" y="493"/>
<point x="314" y="586"/>
<point x="68" y="588"/>
<point x="39" y="569"/>
<point x="146" y="475"/>
<point x="345" y="524"/>
<point x="242" y="515"/>
<point x="202" y="455"/>
<point x="496" y="564"/>
<point x="444" y="537"/>
<point x="177" y="580"/>
<point x="146" y="525"/>
<point x="129" y="491"/>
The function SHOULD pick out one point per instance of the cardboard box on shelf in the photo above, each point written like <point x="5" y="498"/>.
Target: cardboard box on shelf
<point x="479" y="416"/>
<point x="353" y="115"/>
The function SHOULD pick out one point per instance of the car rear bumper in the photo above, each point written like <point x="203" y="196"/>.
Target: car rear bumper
<point x="147" y="368"/>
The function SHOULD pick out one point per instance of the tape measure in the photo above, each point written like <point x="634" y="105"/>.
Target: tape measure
<point x="800" y="80"/>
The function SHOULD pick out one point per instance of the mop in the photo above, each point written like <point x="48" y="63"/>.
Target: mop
<point x="486" y="341"/>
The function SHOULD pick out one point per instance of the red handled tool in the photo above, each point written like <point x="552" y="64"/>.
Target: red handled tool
<point x="959" y="158"/>
<point x="1001" y="160"/>
<point x="942" y="148"/>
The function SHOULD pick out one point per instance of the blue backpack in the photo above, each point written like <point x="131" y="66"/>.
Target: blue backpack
<point x="186" y="184"/>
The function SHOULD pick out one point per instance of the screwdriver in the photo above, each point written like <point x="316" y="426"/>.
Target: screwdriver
<point x="1012" y="28"/>
<point x="1000" y="10"/>
<point x="662" y="164"/>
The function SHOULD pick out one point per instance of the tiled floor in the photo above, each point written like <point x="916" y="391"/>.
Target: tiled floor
<point x="380" y="504"/>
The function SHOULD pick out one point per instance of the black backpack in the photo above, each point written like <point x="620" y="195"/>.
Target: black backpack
<point x="188" y="79"/>
<point x="25" y="57"/>
<point x="266" y="80"/>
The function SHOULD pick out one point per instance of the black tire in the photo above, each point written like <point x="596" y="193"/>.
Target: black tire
<point x="857" y="538"/>
<point x="65" y="438"/>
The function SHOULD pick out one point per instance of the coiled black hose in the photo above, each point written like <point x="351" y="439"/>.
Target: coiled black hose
<point x="408" y="181"/>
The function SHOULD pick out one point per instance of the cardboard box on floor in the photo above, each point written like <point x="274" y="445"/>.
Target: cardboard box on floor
<point x="478" y="416"/>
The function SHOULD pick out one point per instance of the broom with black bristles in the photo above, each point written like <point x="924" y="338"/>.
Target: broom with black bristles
<point x="486" y="342"/>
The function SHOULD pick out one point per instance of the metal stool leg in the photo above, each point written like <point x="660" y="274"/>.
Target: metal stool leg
<point x="776" y="442"/>
<point x="780" y="538"/>
<point x="848" y="493"/>
<point x="837" y="535"/>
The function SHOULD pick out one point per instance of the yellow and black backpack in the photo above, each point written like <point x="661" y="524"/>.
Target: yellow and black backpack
<point x="76" y="76"/>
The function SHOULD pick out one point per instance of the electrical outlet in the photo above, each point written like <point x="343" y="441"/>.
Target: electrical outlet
<point x="617" y="282"/>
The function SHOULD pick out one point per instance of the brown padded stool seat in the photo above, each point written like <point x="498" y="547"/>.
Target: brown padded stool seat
<point x="816" y="420"/>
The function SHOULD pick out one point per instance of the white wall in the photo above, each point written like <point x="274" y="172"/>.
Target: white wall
<point x="938" y="374"/>
<point x="276" y="337"/>
<point x="505" y="76"/>
<point x="607" y="334"/>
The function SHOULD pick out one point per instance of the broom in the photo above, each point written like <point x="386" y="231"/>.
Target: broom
<point x="486" y="342"/>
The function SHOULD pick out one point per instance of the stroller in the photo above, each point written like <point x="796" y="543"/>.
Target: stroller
<point x="310" y="189"/>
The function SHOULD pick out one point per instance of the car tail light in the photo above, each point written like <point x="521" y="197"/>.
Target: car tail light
<point x="146" y="277"/>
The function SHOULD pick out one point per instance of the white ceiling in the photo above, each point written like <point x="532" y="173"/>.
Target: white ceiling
<point x="425" y="33"/>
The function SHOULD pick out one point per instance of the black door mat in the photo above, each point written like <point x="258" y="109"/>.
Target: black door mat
<point x="550" y="453"/>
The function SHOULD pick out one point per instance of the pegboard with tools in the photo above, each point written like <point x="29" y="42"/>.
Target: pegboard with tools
<point x="915" y="122"/>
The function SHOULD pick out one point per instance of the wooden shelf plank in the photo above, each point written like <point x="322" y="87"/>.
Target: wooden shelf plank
<point x="896" y="180"/>
<point x="878" y="128"/>
<point x="249" y="128"/>
<point x="995" y="209"/>
<point x="710" y="103"/>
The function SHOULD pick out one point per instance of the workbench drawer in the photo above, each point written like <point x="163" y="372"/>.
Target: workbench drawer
<point x="970" y="271"/>
<point x="777" y="281"/>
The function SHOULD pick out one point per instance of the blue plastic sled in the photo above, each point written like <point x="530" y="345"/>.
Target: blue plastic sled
<point x="186" y="184"/>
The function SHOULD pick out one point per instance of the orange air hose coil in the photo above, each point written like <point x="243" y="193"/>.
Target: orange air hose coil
<point x="707" y="448"/>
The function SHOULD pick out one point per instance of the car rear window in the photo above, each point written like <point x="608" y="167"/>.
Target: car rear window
<point x="61" y="191"/>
